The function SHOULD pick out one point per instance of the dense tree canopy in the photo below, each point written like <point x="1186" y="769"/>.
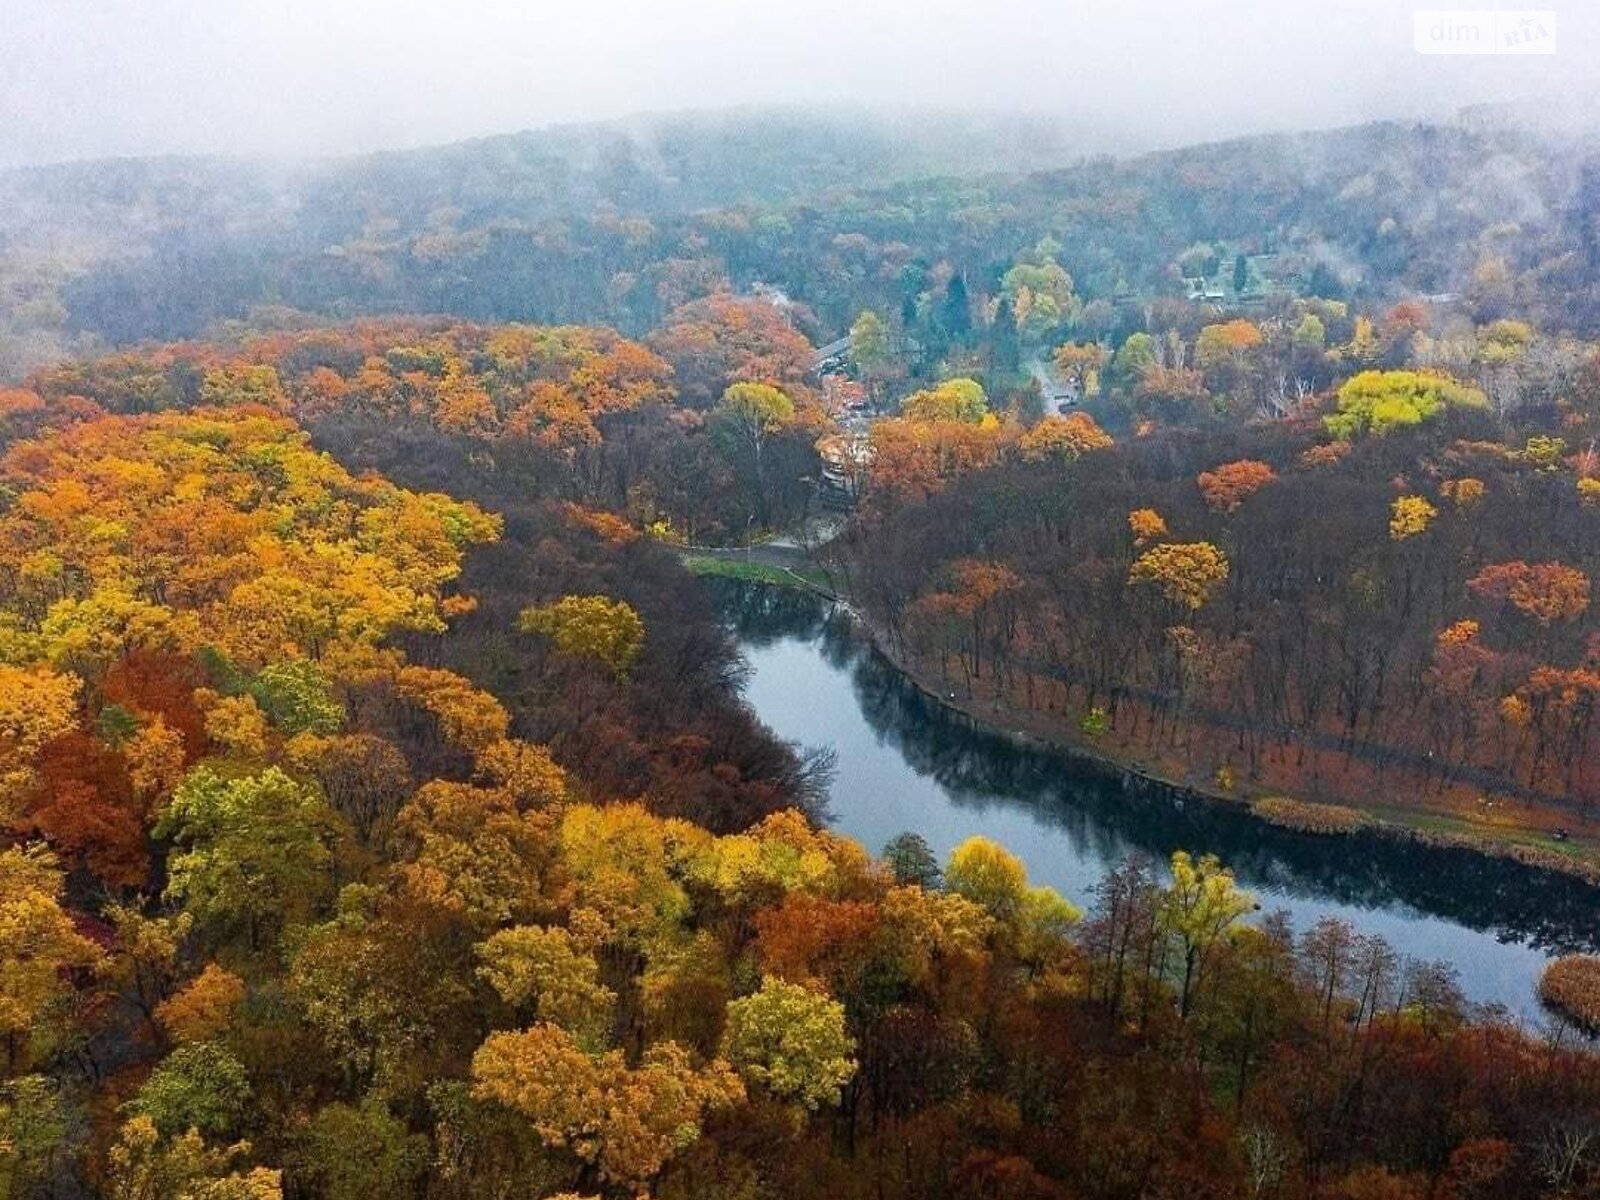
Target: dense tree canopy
<point x="363" y="840"/>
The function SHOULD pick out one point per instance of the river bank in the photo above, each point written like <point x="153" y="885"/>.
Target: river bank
<point x="1577" y="856"/>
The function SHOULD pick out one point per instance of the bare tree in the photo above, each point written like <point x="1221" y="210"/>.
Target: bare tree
<point x="1266" y="1155"/>
<point x="1562" y="1152"/>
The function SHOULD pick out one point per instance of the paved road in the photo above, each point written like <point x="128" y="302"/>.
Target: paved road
<point x="1057" y="396"/>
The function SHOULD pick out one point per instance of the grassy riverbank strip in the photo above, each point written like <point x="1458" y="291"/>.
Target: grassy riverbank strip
<point x="750" y="570"/>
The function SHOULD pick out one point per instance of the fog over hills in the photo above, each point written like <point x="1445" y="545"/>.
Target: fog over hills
<point x="288" y="77"/>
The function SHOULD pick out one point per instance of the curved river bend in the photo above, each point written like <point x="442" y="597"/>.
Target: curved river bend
<point x="907" y="763"/>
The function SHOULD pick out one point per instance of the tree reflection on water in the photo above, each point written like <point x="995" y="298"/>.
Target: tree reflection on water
<point x="1109" y="813"/>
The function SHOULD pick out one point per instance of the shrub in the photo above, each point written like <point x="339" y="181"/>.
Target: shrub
<point x="1570" y="987"/>
<point x="1310" y="818"/>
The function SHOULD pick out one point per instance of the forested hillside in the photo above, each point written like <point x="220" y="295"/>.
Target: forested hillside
<point x="620" y="227"/>
<point x="221" y="238"/>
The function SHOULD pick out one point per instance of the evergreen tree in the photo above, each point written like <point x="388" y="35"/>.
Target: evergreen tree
<point x="1007" y="352"/>
<point x="956" y="317"/>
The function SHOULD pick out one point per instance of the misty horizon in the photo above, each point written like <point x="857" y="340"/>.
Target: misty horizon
<point x="283" y="81"/>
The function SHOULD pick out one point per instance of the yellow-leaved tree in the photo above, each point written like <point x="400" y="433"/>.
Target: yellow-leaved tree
<point x="608" y="631"/>
<point x="792" y="1041"/>
<point x="1186" y="573"/>
<point x="39" y="946"/>
<point x="621" y="1123"/>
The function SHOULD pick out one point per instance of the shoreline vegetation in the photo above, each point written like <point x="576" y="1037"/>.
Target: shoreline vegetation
<point x="1575" y="858"/>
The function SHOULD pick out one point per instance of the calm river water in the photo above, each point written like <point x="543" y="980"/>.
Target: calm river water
<point x="906" y="763"/>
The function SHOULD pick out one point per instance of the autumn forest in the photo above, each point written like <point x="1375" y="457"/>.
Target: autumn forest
<point x="382" y="813"/>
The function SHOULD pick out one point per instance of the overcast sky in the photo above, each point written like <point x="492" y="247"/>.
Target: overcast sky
<point x="89" y="78"/>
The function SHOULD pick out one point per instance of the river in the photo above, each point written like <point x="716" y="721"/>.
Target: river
<point x="907" y="763"/>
